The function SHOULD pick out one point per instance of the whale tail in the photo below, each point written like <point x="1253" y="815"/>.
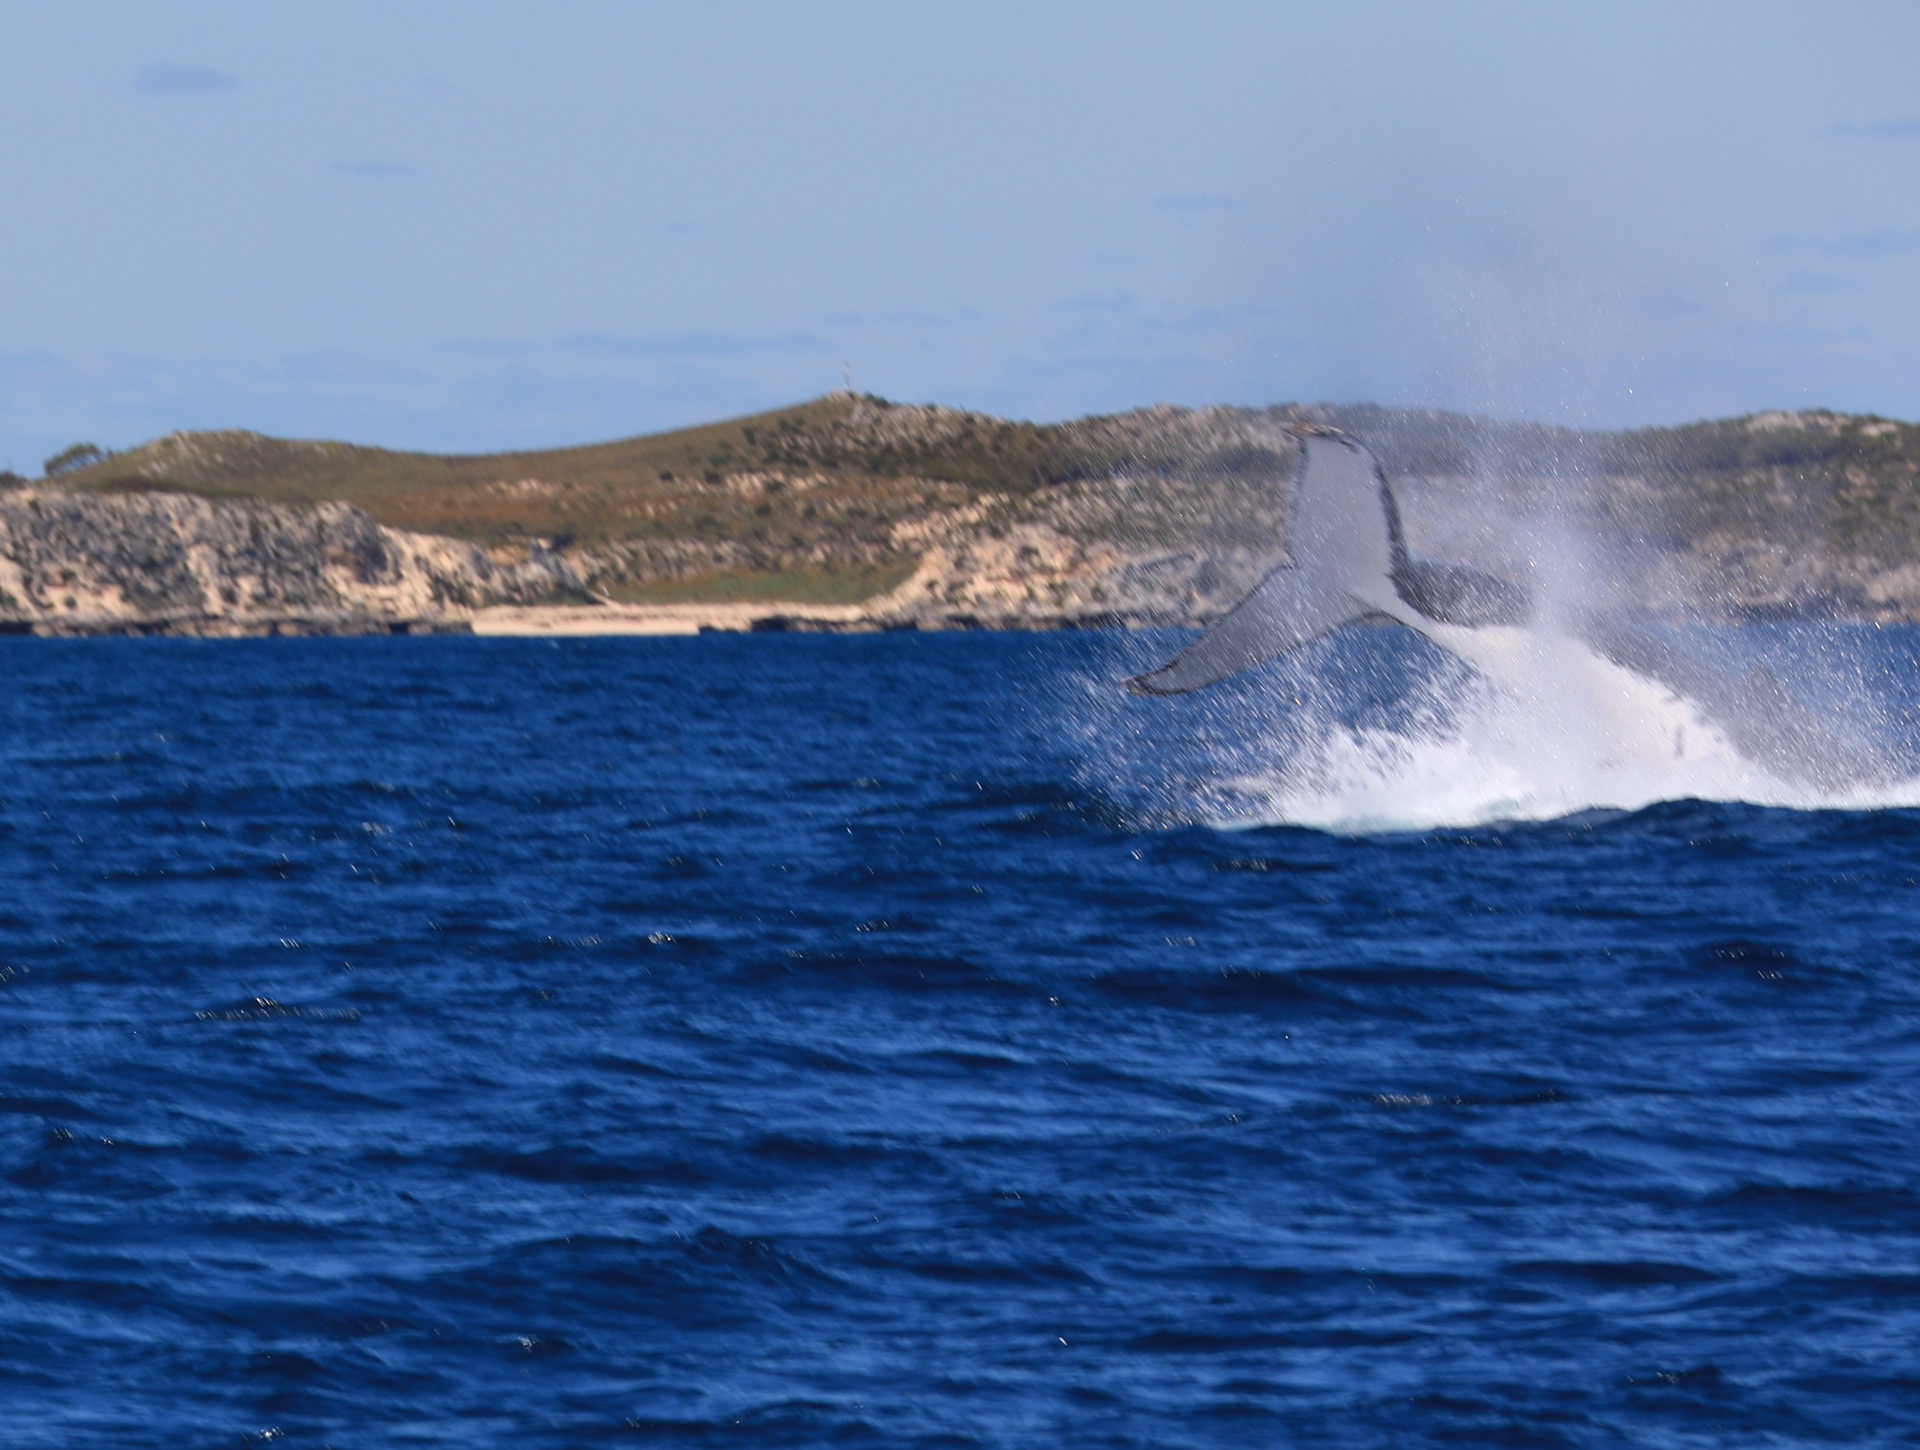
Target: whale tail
<point x="1350" y="566"/>
<point x="1343" y="532"/>
<point x="1291" y="607"/>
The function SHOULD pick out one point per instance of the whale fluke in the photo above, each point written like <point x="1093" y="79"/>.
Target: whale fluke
<point x="1289" y="608"/>
<point x="1350" y="565"/>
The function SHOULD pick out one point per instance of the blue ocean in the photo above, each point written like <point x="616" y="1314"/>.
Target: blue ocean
<point x="917" y="1041"/>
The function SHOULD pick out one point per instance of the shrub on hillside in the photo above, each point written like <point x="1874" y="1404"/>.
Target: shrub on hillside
<point x="71" y="460"/>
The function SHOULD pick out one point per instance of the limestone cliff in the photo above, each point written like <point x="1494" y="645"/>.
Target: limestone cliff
<point x="74" y="563"/>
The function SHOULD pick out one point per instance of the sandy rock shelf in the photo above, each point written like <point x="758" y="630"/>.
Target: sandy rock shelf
<point x="556" y="620"/>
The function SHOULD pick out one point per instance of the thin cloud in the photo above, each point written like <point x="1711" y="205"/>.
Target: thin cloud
<point x="1113" y="302"/>
<point x="693" y="344"/>
<point x="1899" y="130"/>
<point x="164" y="78"/>
<point x="1877" y="244"/>
<point x="483" y="347"/>
<point x="373" y="168"/>
<point x="1806" y="284"/>
<point x="1885" y="243"/>
<point x="957" y="317"/>
<point x="1195" y="204"/>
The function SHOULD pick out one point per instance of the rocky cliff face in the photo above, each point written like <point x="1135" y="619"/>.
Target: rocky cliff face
<point x="1160" y="516"/>
<point x="170" y="563"/>
<point x="1118" y="550"/>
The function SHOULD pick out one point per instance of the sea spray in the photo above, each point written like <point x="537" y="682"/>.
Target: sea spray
<point x="1605" y="691"/>
<point x="1381" y="730"/>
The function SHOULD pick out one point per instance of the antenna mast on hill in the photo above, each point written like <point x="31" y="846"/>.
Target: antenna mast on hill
<point x="846" y="374"/>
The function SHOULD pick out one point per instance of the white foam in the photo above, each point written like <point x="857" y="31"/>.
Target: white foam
<point x="1546" y="728"/>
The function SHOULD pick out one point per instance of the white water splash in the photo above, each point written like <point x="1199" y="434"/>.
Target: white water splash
<point x="1586" y="735"/>
<point x="1564" y="731"/>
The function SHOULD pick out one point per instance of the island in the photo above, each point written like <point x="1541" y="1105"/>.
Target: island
<point x="851" y="512"/>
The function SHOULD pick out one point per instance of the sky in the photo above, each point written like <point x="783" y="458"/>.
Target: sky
<point x="479" y="225"/>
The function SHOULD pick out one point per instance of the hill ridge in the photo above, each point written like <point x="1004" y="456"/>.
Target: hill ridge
<point x="1160" y="514"/>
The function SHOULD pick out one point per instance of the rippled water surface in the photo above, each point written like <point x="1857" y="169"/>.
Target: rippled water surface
<point x="797" y="1040"/>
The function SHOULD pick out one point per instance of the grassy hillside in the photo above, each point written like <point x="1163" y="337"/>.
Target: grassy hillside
<point x="1845" y="483"/>
<point x="808" y="502"/>
<point x="801" y="502"/>
<point x="668" y="484"/>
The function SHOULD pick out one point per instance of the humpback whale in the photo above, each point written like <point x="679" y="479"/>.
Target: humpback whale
<point x="1351" y="567"/>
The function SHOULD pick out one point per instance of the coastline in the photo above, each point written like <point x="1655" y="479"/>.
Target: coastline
<point x="928" y="519"/>
<point x="572" y="620"/>
<point x="612" y="620"/>
<point x="564" y="621"/>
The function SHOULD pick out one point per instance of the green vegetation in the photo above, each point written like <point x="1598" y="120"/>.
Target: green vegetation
<point x="72" y="460"/>
<point x="805" y="485"/>
<point x="809" y="496"/>
<point x="1849" y="482"/>
<point x="819" y="502"/>
<point x="651" y="485"/>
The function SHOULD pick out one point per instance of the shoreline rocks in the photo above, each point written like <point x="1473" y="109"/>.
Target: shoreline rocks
<point x="168" y="563"/>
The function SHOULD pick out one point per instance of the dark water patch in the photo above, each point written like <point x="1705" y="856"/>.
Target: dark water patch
<point x="1262" y="865"/>
<point x="854" y="1155"/>
<point x="1625" y="1275"/>
<point x="983" y="1273"/>
<point x="1868" y="828"/>
<point x="1230" y="989"/>
<point x="631" y="1067"/>
<point x="43" y="1107"/>
<point x="1401" y="993"/>
<point x="886" y="971"/>
<point x="1696" y="824"/>
<point x="1762" y="959"/>
<point x="963" y="1063"/>
<point x="710" y="1278"/>
<point x="1207" y="1343"/>
<point x="843" y="786"/>
<point x="71" y="1164"/>
<point x="579" y="1165"/>
<point x="1856" y="1206"/>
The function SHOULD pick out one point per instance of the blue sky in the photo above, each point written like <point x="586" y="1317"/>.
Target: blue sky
<point x="481" y="225"/>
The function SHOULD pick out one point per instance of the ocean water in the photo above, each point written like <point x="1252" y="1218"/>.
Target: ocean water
<point x="915" y="1041"/>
